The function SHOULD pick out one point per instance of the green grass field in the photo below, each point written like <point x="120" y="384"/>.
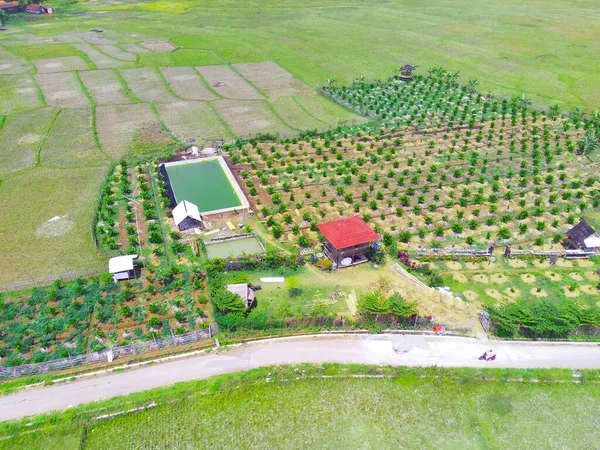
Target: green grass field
<point x="334" y="406"/>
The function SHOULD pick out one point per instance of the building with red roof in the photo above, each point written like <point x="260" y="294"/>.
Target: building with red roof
<point x="347" y="241"/>
<point x="39" y="9"/>
<point x="9" y="7"/>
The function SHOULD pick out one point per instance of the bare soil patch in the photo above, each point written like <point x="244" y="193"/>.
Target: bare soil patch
<point x="186" y="83"/>
<point x="540" y="293"/>
<point x="553" y="276"/>
<point x="470" y="295"/>
<point x="97" y="38"/>
<point x="472" y="265"/>
<point x="528" y="278"/>
<point x="517" y="263"/>
<point x="512" y="292"/>
<point x="228" y="84"/>
<point x="480" y="278"/>
<point x="585" y="263"/>
<point x="454" y="265"/>
<point x="498" y="278"/>
<point x="571" y="293"/>
<point x="64" y="64"/>
<point x="105" y="87"/>
<point x="272" y="79"/>
<point x="576" y="276"/>
<point x="55" y="227"/>
<point x="62" y="89"/>
<point x="494" y="293"/>
<point x="589" y="289"/>
<point x="460" y="277"/>
<point x="561" y="262"/>
<point x="592" y="276"/>
<point x="147" y="85"/>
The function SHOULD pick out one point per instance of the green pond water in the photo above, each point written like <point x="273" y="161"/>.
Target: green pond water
<point x="233" y="249"/>
<point x="203" y="183"/>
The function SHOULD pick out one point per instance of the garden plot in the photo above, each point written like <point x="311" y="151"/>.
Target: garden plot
<point x="101" y="60"/>
<point x="70" y="141"/>
<point x="62" y="89"/>
<point x="186" y="83"/>
<point x="117" y="126"/>
<point x="193" y="120"/>
<point x="48" y="235"/>
<point x="21" y="138"/>
<point x="105" y="87"/>
<point x="10" y="64"/>
<point x="117" y="53"/>
<point x="225" y="82"/>
<point x="147" y="85"/>
<point x="246" y="118"/>
<point x="64" y="64"/>
<point x="295" y="115"/>
<point x="271" y="79"/>
<point x="18" y="93"/>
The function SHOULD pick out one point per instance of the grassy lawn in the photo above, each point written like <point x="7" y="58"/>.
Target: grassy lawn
<point x="292" y="407"/>
<point x="33" y="247"/>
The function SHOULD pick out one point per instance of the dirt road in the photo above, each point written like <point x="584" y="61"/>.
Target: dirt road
<point x="397" y="350"/>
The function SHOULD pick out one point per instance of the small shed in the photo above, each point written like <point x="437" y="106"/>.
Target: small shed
<point x="583" y="236"/>
<point x="39" y="9"/>
<point x="209" y="151"/>
<point x="347" y="241"/>
<point x="9" y="7"/>
<point x="406" y="71"/>
<point x="122" y="267"/>
<point x="186" y="216"/>
<point x="243" y="291"/>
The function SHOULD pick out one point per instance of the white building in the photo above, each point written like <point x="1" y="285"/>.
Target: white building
<point x="122" y="267"/>
<point x="186" y="215"/>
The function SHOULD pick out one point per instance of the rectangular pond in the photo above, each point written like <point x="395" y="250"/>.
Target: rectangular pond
<point x="208" y="183"/>
<point x="233" y="248"/>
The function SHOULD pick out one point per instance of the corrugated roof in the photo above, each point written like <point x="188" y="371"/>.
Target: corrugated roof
<point x="346" y="233"/>
<point x="580" y="232"/>
<point x="121" y="263"/>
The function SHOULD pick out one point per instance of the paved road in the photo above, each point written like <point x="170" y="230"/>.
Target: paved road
<point x="397" y="350"/>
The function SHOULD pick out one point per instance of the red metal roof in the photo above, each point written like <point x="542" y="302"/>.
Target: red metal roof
<point x="346" y="233"/>
<point x="6" y="5"/>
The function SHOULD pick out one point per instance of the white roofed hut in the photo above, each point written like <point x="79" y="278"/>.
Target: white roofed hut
<point x="122" y="267"/>
<point x="186" y="216"/>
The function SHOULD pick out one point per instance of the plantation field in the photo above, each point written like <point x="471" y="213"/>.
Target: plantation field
<point x="336" y="406"/>
<point x="504" y="281"/>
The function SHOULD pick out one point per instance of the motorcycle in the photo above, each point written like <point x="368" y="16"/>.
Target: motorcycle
<point x="485" y="357"/>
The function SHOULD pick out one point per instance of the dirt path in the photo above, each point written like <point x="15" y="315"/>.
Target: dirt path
<point x="396" y="350"/>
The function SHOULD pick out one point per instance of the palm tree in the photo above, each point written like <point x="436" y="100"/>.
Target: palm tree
<point x="472" y="85"/>
<point x="523" y="101"/>
<point x="554" y="111"/>
<point x="590" y="143"/>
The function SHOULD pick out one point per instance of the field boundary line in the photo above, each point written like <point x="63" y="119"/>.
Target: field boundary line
<point x="303" y="108"/>
<point x="166" y="84"/>
<point x="207" y="84"/>
<point x="45" y="137"/>
<point x="128" y="92"/>
<point x="222" y="121"/>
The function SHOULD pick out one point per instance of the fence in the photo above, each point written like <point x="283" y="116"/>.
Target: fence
<point x="108" y="355"/>
<point x="476" y="253"/>
<point x="31" y="282"/>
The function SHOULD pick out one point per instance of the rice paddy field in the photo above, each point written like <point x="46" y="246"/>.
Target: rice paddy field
<point x="253" y="68"/>
<point x="336" y="406"/>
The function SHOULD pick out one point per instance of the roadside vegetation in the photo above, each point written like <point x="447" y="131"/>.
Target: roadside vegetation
<point x="491" y="408"/>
